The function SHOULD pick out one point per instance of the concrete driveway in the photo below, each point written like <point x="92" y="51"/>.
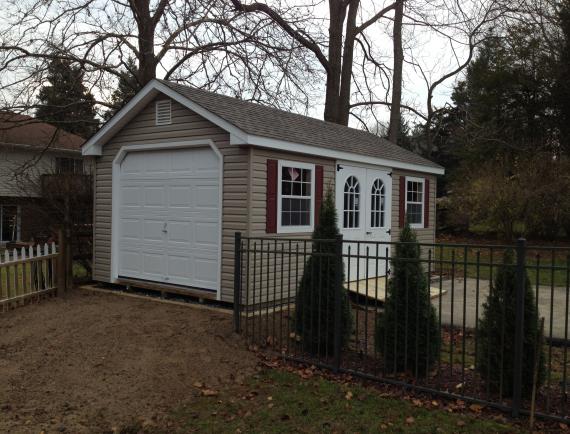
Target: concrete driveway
<point x="460" y="291"/>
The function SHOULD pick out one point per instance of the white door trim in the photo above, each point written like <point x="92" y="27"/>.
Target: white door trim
<point x="115" y="227"/>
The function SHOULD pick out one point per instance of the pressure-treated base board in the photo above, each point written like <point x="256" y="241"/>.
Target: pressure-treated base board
<point x="168" y="289"/>
<point x="375" y="288"/>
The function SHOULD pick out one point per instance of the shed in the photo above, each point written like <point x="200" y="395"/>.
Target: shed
<point x="179" y="170"/>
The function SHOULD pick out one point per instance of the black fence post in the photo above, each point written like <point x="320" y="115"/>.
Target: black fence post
<point x="519" y="325"/>
<point x="338" y="301"/>
<point x="237" y="282"/>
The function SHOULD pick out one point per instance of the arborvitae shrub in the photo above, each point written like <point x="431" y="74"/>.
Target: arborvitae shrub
<point x="315" y="311"/>
<point x="496" y="334"/>
<point x="407" y="331"/>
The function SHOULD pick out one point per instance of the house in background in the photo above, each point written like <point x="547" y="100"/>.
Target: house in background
<point x="179" y="170"/>
<point x="31" y="152"/>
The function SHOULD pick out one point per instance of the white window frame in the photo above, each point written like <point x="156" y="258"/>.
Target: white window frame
<point x="295" y="229"/>
<point x="422" y="181"/>
<point x="18" y="222"/>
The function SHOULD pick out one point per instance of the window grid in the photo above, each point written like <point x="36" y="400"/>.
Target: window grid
<point x="414" y="202"/>
<point x="351" y="214"/>
<point x="296" y="189"/>
<point x="378" y="204"/>
<point x="64" y="165"/>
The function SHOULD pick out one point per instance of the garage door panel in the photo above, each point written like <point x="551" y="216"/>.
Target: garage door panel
<point x="131" y="261"/>
<point x="180" y="232"/>
<point x="180" y="196"/>
<point x="130" y="196"/>
<point x="207" y="196"/>
<point x="153" y="230"/>
<point x="154" y="196"/>
<point x="153" y="263"/>
<point x="169" y="217"/>
<point x="180" y="267"/>
<point x="207" y="234"/>
<point x="131" y="228"/>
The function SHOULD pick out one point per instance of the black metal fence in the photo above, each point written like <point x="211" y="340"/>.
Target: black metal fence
<point x="271" y="313"/>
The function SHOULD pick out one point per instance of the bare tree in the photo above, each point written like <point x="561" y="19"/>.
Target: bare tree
<point x="397" y="81"/>
<point x="335" y="52"/>
<point x="205" y="41"/>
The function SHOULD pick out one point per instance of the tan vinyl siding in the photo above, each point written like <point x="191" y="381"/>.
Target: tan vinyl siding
<point x="273" y="268"/>
<point x="258" y="187"/>
<point x="186" y="125"/>
<point x="425" y="235"/>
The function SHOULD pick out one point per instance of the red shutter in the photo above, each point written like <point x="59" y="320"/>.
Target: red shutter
<point x="271" y="200"/>
<point x="402" y="201"/>
<point x="426" y="204"/>
<point x="318" y="192"/>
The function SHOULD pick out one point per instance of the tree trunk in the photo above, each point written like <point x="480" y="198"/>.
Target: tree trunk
<point x="146" y="27"/>
<point x="395" y="109"/>
<point x="348" y="58"/>
<point x="337" y="12"/>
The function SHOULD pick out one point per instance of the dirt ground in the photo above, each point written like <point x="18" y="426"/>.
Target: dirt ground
<point x="93" y="361"/>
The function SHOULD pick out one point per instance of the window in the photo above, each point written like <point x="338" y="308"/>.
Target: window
<point x="415" y="202"/>
<point x="296" y="196"/>
<point x="9" y="223"/>
<point x="351" y="208"/>
<point x="68" y="165"/>
<point x="378" y="204"/>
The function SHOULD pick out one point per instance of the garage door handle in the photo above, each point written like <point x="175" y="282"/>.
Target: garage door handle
<point x="164" y="228"/>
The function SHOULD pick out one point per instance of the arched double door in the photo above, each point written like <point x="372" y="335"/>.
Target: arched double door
<point x="364" y="201"/>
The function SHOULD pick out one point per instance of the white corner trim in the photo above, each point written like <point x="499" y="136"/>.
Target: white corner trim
<point x="116" y="200"/>
<point x="295" y="229"/>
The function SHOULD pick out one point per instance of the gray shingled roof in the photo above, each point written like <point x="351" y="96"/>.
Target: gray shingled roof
<point x="259" y="120"/>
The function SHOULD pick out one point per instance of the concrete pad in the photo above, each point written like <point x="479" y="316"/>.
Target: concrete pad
<point x="460" y="295"/>
<point x="375" y="288"/>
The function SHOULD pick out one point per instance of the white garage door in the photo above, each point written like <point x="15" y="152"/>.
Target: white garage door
<point x="169" y="217"/>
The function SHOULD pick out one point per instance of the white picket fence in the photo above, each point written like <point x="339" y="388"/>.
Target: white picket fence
<point x="27" y="272"/>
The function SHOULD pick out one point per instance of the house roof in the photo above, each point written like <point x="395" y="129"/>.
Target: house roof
<point x="257" y="125"/>
<point x="23" y="130"/>
<point x="260" y="120"/>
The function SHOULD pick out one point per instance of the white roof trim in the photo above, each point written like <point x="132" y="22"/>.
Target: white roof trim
<point x="94" y="145"/>
<point x="352" y="157"/>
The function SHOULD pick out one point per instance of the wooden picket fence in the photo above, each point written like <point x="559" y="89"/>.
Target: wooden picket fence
<point x="28" y="273"/>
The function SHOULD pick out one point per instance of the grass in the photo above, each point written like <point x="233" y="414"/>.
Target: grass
<point x="277" y="401"/>
<point x="538" y="263"/>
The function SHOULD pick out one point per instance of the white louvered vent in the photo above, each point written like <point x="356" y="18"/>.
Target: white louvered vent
<point x="163" y="112"/>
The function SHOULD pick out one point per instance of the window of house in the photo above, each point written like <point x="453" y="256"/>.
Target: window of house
<point x="377" y="204"/>
<point x="351" y="205"/>
<point x="9" y="223"/>
<point x="415" y="201"/>
<point x="65" y="165"/>
<point x="296" y="196"/>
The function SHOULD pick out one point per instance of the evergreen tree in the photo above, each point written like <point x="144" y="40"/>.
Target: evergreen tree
<point x="496" y="336"/>
<point x="66" y="102"/>
<point x="127" y="87"/>
<point x="407" y="332"/>
<point x="315" y="311"/>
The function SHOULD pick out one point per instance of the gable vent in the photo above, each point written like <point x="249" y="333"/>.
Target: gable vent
<point x="163" y="112"/>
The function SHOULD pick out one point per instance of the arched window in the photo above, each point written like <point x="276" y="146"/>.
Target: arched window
<point x="351" y="218"/>
<point x="378" y="204"/>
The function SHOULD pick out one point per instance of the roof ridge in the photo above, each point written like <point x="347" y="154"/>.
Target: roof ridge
<point x="273" y="123"/>
<point x="305" y="117"/>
